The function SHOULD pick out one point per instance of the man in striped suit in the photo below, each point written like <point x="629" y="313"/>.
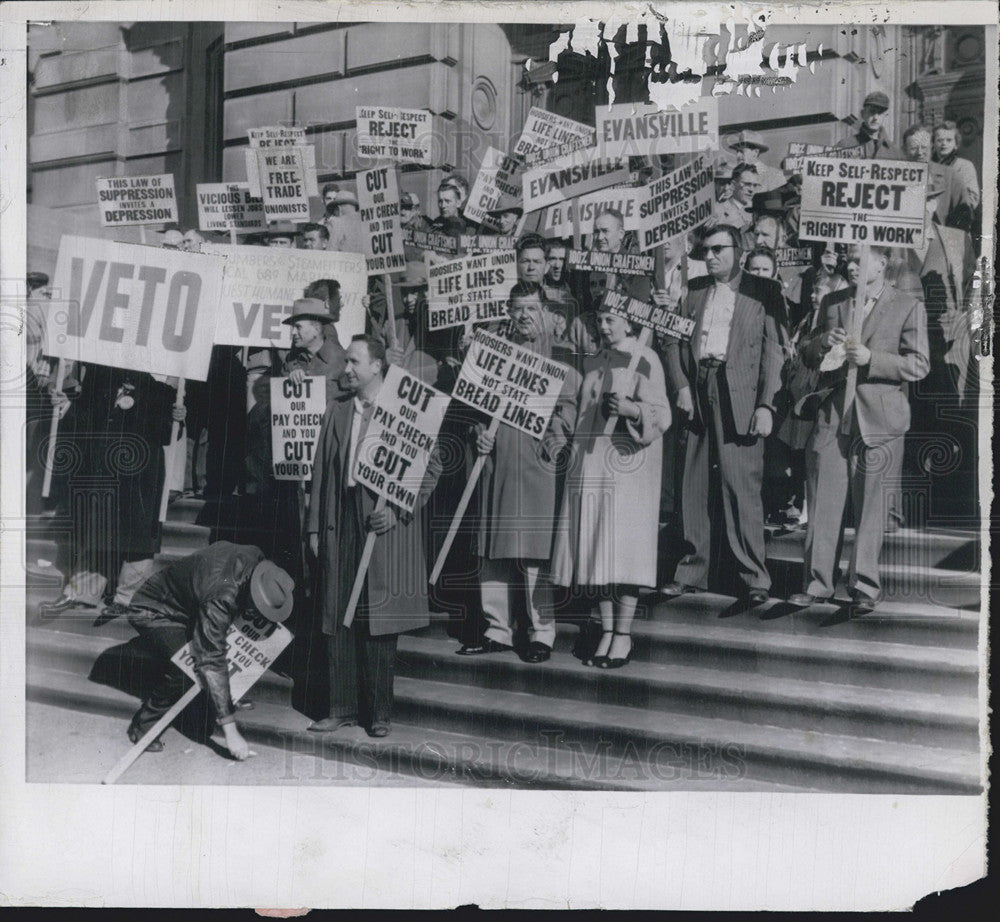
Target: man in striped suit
<point x="725" y="380"/>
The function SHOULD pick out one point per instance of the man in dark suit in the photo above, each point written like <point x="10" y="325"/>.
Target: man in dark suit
<point x="870" y="134"/>
<point x="725" y="380"/>
<point x="864" y="456"/>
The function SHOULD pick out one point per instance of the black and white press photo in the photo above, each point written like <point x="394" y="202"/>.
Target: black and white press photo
<point x="470" y="404"/>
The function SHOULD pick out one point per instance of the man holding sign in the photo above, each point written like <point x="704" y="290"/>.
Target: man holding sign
<point x="196" y="600"/>
<point x="344" y="511"/>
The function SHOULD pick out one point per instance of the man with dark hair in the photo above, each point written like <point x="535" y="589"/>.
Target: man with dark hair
<point x="736" y="210"/>
<point x="341" y="515"/>
<point x="531" y="263"/>
<point x="726" y="380"/>
<point x="863" y="461"/>
<point x="196" y="599"/>
<point x="314" y="236"/>
<point x="870" y="134"/>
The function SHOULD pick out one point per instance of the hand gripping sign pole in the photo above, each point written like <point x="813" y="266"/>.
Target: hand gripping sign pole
<point x="854" y="335"/>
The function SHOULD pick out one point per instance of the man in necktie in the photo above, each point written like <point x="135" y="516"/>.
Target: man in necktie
<point x="864" y="459"/>
<point x="725" y="380"/>
<point x="341" y="514"/>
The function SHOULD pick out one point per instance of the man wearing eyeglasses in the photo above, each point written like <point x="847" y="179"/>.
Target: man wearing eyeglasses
<point x="725" y="380"/>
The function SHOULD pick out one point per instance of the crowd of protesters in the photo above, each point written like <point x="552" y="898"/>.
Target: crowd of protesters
<point x="665" y="479"/>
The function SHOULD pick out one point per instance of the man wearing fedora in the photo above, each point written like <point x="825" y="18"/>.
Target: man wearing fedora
<point x="316" y="350"/>
<point x="748" y="146"/>
<point x="196" y="600"/>
<point x="870" y="134"/>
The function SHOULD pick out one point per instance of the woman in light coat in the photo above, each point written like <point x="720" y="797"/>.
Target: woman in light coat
<point x="606" y="537"/>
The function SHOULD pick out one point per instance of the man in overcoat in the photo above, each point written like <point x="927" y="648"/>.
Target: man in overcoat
<point x="725" y="379"/>
<point x="341" y="513"/>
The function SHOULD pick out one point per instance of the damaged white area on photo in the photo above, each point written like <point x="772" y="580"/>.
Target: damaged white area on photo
<point x="760" y="284"/>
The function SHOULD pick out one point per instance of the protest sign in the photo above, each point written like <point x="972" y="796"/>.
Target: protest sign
<point x="280" y="136"/>
<point x="676" y="203"/>
<point x="659" y="319"/>
<point x="633" y="129"/>
<point x="470" y="290"/>
<point x="483" y="243"/>
<point x="401" y="436"/>
<point x="512" y="384"/>
<point x="252" y="645"/>
<point x="537" y="157"/>
<point x="431" y="241"/>
<point x="401" y="135"/>
<point x="558" y="220"/>
<point x="378" y="200"/>
<point x="620" y="263"/>
<point x="130" y="201"/>
<point x="497" y="185"/>
<point x="260" y="284"/>
<point x="544" y="130"/>
<point x="863" y="201"/>
<point x="798" y="152"/>
<point x="139" y="307"/>
<point x="569" y="176"/>
<point x="296" y="414"/>
<point x="793" y="256"/>
<point x="229" y="206"/>
<point x="282" y="175"/>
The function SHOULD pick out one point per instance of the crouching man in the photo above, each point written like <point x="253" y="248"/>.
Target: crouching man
<point x="197" y="599"/>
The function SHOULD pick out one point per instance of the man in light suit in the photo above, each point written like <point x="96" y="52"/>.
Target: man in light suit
<point x="891" y="351"/>
<point x="725" y="380"/>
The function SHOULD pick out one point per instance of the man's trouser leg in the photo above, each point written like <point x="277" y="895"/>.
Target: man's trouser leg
<point x="741" y="475"/>
<point x="693" y="568"/>
<point x="163" y="642"/>
<point x="874" y="482"/>
<point x="495" y="579"/>
<point x="826" y="495"/>
<point x="376" y="665"/>
<point x="538" y="603"/>
<point x="343" y="659"/>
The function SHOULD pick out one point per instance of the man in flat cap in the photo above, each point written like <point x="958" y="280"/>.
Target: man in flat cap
<point x="748" y="146"/>
<point x="196" y="599"/>
<point x="870" y="135"/>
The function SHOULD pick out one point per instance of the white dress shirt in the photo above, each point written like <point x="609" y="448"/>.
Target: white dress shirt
<point x="717" y="321"/>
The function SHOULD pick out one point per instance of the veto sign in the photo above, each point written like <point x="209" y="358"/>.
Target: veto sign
<point x="229" y="206"/>
<point x="472" y="289"/>
<point x="296" y="414"/>
<point x="260" y="284"/>
<point x="863" y="201"/>
<point x="129" y="201"/>
<point x="378" y="200"/>
<point x="253" y="644"/>
<point x="676" y="203"/>
<point x="513" y="385"/>
<point x="401" y="436"/>
<point x="571" y="175"/>
<point x="557" y="220"/>
<point x="620" y="263"/>
<point x="401" y="135"/>
<point x="138" y="307"/>
<point x="658" y="319"/>
<point x="282" y="173"/>
<point x="631" y="129"/>
<point x="544" y="130"/>
<point x="498" y="184"/>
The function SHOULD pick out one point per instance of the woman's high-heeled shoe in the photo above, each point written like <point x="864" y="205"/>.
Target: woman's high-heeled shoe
<point x="593" y="659"/>
<point x="617" y="662"/>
